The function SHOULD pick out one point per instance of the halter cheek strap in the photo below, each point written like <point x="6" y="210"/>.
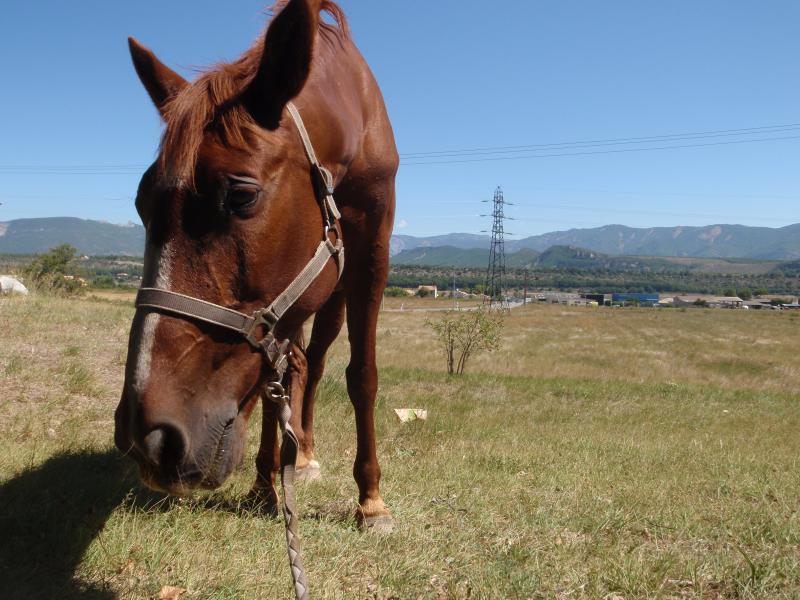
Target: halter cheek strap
<point x="248" y="326"/>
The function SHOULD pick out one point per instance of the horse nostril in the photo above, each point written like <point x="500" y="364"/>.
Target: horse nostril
<point x="165" y="446"/>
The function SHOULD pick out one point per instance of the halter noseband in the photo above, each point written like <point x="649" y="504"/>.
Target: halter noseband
<point x="275" y="351"/>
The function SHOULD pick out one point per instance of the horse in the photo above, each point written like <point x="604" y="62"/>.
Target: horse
<point x="233" y="212"/>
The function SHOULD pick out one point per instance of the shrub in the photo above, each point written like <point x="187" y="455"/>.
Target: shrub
<point x="462" y="334"/>
<point x="104" y="282"/>
<point x="53" y="272"/>
<point x="395" y="292"/>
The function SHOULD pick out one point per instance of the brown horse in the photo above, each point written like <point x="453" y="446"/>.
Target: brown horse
<point x="232" y="217"/>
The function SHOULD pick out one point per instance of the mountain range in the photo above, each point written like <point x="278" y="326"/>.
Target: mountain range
<point x="712" y="241"/>
<point x="30" y="236"/>
<point x="95" y="238"/>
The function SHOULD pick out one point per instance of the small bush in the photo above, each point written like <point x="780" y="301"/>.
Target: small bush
<point x="462" y="334"/>
<point x="104" y="282"/>
<point x="53" y="272"/>
<point x="395" y="292"/>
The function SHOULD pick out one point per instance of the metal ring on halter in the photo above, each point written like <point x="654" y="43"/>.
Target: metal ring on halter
<point x="276" y="391"/>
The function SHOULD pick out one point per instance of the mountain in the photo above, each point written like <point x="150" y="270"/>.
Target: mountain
<point x="582" y="259"/>
<point x="791" y="269"/>
<point x="465" y="241"/>
<point x="33" y="236"/>
<point x="28" y="236"/>
<point x="712" y="241"/>
<point x="449" y="256"/>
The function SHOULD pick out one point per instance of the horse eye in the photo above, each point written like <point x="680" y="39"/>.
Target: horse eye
<point x="241" y="197"/>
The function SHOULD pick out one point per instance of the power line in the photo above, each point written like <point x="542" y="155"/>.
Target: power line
<point x="612" y="141"/>
<point x="485" y="154"/>
<point x="587" y="153"/>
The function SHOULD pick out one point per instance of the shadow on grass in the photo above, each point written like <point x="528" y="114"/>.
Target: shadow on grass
<point x="48" y="517"/>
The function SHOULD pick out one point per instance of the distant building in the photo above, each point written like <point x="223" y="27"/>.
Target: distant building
<point x="708" y="300"/>
<point x="428" y="290"/>
<point x="563" y="298"/>
<point x="640" y="299"/>
<point x="600" y="299"/>
<point x="758" y="304"/>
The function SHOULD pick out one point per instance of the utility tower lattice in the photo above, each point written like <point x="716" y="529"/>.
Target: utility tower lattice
<point x="496" y="272"/>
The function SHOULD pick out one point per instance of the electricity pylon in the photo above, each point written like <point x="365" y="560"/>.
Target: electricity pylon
<point x="496" y="271"/>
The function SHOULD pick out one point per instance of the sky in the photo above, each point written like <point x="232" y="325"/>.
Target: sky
<point x="586" y="113"/>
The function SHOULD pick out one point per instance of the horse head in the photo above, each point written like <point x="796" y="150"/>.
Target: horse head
<point x="232" y="217"/>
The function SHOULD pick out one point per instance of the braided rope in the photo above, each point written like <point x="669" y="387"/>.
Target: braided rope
<point x="289" y="449"/>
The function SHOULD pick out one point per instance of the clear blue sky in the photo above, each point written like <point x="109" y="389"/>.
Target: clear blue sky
<point x="456" y="76"/>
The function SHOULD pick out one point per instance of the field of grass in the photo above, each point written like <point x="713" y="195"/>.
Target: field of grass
<point x="600" y="453"/>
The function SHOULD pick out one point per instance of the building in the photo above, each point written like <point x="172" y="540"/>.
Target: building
<point x="708" y="300"/>
<point x="647" y="299"/>
<point x="427" y="291"/>
<point x="601" y="299"/>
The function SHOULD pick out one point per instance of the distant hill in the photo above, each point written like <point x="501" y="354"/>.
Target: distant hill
<point x="27" y="236"/>
<point x="464" y="241"/>
<point x="33" y="236"/>
<point x="448" y="256"/>
<point x="713" y="241"/>
<point x="573" y="257"/>
<point x="791" y="268"/>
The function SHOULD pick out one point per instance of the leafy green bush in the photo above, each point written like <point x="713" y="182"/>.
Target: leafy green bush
<point x="54" y="272"/>
<point x="104" y="282"/>
<point x="463" y="333"/>
<point x="395" y="292"/>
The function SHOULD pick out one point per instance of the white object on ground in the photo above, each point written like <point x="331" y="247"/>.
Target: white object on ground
<point x="411" y="414"/>
<point x="12" y="285"/>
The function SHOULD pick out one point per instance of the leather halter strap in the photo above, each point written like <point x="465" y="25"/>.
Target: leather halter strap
<point x="249" y="326"/>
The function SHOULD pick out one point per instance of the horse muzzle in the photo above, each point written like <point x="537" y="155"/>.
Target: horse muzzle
<point x="177" y="459"/>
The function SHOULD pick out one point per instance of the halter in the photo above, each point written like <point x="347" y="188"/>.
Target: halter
<point x="275" y="351"/>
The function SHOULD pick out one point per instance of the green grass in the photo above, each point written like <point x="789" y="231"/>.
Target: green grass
<point x="649" y="473"/>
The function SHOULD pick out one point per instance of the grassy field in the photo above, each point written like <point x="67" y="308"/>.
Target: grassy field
<point x="599" y="454"/>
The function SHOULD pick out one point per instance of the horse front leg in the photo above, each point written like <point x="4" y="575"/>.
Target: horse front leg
<point x="327" y="325"/>
<point x="364" y="296"/>
<point x="268" y="460"/>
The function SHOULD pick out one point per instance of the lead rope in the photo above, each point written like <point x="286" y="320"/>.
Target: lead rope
<point x="289" y="448"/>
<point x="275" y="391"/>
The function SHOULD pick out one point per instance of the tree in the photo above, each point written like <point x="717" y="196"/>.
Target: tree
<point x="462" y="334"/>
<point x="53" y="271"/>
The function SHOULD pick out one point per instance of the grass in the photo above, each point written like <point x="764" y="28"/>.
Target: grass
<point x="600" y="453"/>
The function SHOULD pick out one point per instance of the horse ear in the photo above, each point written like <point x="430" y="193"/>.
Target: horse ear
<point x="285" y="61"/>
<point x="161" y="82"/>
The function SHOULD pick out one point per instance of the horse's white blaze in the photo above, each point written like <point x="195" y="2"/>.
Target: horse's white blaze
<point x="157" y="276"/>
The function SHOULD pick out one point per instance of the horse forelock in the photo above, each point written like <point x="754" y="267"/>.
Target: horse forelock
<point x="211" y="104"/>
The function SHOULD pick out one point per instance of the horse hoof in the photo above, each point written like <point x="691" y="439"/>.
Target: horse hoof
<point x="310" y="473"/>
<point x="380" y="524"/>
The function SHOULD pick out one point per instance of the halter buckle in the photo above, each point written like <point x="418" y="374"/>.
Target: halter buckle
<point x="259" y="318"/>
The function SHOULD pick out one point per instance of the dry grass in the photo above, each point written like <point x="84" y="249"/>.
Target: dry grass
<point x="600" y="453"/>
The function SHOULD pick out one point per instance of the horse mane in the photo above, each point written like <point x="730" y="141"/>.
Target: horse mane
<point x="211" y="103"/>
